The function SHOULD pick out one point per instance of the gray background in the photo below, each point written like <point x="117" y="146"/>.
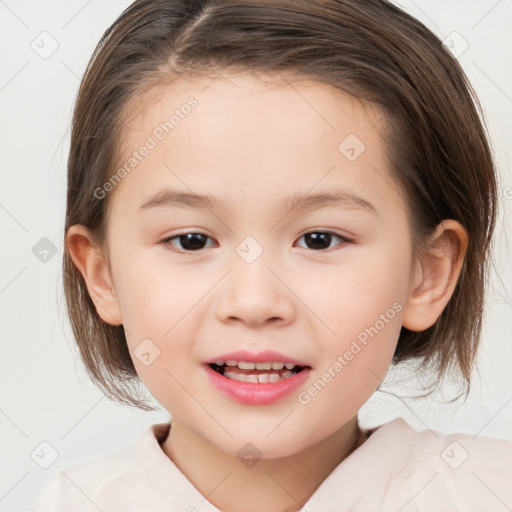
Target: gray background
<point x="45" y="394"/>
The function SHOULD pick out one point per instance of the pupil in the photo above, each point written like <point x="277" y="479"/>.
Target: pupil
<point x="195" y="241"/>
<point x="316" y="239"/>
<point x="191" y="241"/>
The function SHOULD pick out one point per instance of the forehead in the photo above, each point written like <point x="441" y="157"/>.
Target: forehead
<point x="272" y="135"/>
<point x="249" y="94"/>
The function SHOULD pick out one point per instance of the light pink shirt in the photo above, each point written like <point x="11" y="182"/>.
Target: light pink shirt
<point x="396" y="470"/>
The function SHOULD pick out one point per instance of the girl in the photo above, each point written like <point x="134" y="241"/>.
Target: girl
<point x="217" y="146"/>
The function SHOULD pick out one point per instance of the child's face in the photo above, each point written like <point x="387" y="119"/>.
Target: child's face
<point x="252" y="146"/>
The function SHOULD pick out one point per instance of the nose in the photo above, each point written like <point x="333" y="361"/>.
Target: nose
<point x="255" y="294"/>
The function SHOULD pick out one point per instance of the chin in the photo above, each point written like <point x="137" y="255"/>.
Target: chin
<point x="254" y="444"/>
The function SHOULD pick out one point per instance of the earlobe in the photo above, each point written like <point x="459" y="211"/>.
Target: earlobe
<point x="89" y="260"/>
<point x="436" y="276"/>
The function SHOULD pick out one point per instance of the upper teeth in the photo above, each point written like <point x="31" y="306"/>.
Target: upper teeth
<point x="245" y="365"/>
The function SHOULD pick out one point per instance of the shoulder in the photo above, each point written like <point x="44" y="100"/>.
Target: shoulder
<point x="100" y="483"/>
<point x="456" y="471"/>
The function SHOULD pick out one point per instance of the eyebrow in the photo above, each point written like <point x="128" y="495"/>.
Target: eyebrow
<point x="170" y="198"/>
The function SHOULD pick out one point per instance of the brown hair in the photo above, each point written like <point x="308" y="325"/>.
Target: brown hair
<point x="437" y="144"/>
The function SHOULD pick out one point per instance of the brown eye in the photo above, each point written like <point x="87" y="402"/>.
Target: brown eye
<point x="189" y="242"/>
<point x="321" y="240"/>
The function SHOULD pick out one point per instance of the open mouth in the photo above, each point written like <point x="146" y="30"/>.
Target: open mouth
<point x="262" y="373"/>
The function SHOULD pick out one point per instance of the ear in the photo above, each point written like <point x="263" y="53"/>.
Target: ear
<point x="91" y="263"/>
<point x="436" y="276"/>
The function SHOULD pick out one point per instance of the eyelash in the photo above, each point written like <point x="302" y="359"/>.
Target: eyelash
<point x="166" y="242"/>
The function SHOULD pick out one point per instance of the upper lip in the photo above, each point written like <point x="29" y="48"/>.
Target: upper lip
<point x="261" y="357"/>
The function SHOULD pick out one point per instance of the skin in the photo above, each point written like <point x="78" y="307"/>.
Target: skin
<point x="250" y="143"/>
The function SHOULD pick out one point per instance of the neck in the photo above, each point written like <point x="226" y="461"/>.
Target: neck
<point x="273" y="485"/>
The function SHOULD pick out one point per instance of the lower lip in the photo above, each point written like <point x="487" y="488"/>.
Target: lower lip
<point x="250" y="393"/>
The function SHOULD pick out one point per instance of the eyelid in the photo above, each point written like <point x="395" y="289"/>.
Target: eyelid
<point x="345" y="240"/>
<point x="166" y="242"/>
<point x="326" y="231"/>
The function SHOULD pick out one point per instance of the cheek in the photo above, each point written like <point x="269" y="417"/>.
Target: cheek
<point x="155" y="293"/>
<point x="362" y="305"/>
<point x="160" y="305"/>
<point x="357" y="293"/>
<point x="355" y="362"/>
<point x="160" y="338"/>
